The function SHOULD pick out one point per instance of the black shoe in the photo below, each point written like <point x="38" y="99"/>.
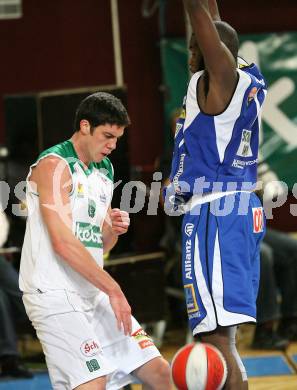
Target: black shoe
<point x="269" y="339"/>
<point x="11" y="367"/>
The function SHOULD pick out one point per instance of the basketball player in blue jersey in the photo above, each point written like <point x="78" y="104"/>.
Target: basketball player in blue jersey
<point x="214" y="171"/>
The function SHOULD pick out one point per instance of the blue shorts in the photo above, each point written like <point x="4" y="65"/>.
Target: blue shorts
<point x="221" y="261"/>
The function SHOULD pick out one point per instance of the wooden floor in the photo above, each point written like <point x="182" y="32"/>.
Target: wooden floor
<point x="267" y="383"/>
<point x="173" y="340"/>
<point x="288" y="382"/>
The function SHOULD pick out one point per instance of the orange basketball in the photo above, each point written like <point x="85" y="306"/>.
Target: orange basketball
<point x="198" y="366"/>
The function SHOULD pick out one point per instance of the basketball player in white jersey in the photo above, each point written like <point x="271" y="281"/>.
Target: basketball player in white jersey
<point x="81" y="316"/>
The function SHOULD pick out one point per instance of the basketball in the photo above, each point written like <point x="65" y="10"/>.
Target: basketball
<point x="198" y="366"/>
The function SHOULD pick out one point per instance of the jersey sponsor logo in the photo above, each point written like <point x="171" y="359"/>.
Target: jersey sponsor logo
<point x="179" y="173"/>
<point x="197" y="314"/>
<point x="89" y="348"/>
<point x="258" y="219"/>
<point x="142" y="338"/>
<point x="103" y="198"/>
<point x="242" y="164"/>
<point x="91" y="208"/>
<point x="189" y="229"/>
<point x="89" y="235"/>
<point x="80" y="190"/>
<point x="191" y="301"/>
<point x="244" y="149"/>
<point x="188" y="260"/>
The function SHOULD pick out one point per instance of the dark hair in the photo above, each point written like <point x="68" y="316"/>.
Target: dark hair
<point x="228" y="36"/>
<point x="101" y="108"/>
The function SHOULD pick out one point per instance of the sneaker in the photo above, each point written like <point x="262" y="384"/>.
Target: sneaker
<point x="270" y="340"/>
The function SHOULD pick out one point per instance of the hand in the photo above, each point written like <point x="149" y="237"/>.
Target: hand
<point x="122" y="311"/>
<point x="120" y="221"/>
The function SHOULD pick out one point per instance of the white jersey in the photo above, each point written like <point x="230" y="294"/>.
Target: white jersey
<point x="41" y="268"/>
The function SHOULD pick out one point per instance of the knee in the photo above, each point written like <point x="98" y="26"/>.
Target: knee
<point x="163" y="371"/>
<point x="161" y="376"/>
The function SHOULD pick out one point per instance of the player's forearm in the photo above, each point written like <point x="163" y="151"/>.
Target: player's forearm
<point x="109" y="238"/>
<point x="74" y="253"/>
<point x="195" y="5"/>
<point x="199" y="14"/>
<point x="214" y="10"/>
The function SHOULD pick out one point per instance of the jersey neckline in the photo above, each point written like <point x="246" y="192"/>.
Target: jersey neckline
<point x="89" y="168"/>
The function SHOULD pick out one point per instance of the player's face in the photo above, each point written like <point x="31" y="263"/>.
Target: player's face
<point x="196" y="62"/>
<point x="103" y="141"/>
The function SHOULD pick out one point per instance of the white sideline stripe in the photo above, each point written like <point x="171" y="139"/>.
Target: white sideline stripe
<point x="225" y="318"/>
<point x="209" y="322"/>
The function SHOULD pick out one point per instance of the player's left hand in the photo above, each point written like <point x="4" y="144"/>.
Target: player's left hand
<point x="120" y="221"/>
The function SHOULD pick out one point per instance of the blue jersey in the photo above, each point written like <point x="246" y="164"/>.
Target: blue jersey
<point x="220" y="149"/>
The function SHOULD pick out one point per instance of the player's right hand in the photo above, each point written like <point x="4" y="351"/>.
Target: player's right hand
<point x="122" y="311"/>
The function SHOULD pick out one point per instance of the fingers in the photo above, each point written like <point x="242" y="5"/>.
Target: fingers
<point x="118" y="230"/>
<point x="120" y="221"/>
<point x="127" y="324"/>
<point x="122" y="311"/>
<point x="119" y="215"/>
<point x="124" y="322"/>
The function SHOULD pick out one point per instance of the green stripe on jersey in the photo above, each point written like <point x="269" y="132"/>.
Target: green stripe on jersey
<point x="89" y="235"/>
<point x="66" y="151"/>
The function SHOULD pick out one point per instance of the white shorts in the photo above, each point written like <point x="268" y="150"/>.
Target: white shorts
<point x="81" y="341"/>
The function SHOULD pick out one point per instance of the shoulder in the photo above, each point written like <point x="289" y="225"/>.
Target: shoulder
<point x="50" y="162"/>
<point x="49" y="169"/>
<point x="61" y="155"/>
<point x="64" y="150"/>
<point x="254" y="73"/>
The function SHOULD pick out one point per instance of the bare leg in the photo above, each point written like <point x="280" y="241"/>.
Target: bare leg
<point x="96" y="384"/>
<point x="221" y="339"/>
<point x="232" y="340"/>
<point x="155" y="375"/>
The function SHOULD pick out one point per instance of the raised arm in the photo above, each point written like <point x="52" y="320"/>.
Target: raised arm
<point x="214" y="10"/>
<point x="55" y="209"/>
<point x="218" y="60"/>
